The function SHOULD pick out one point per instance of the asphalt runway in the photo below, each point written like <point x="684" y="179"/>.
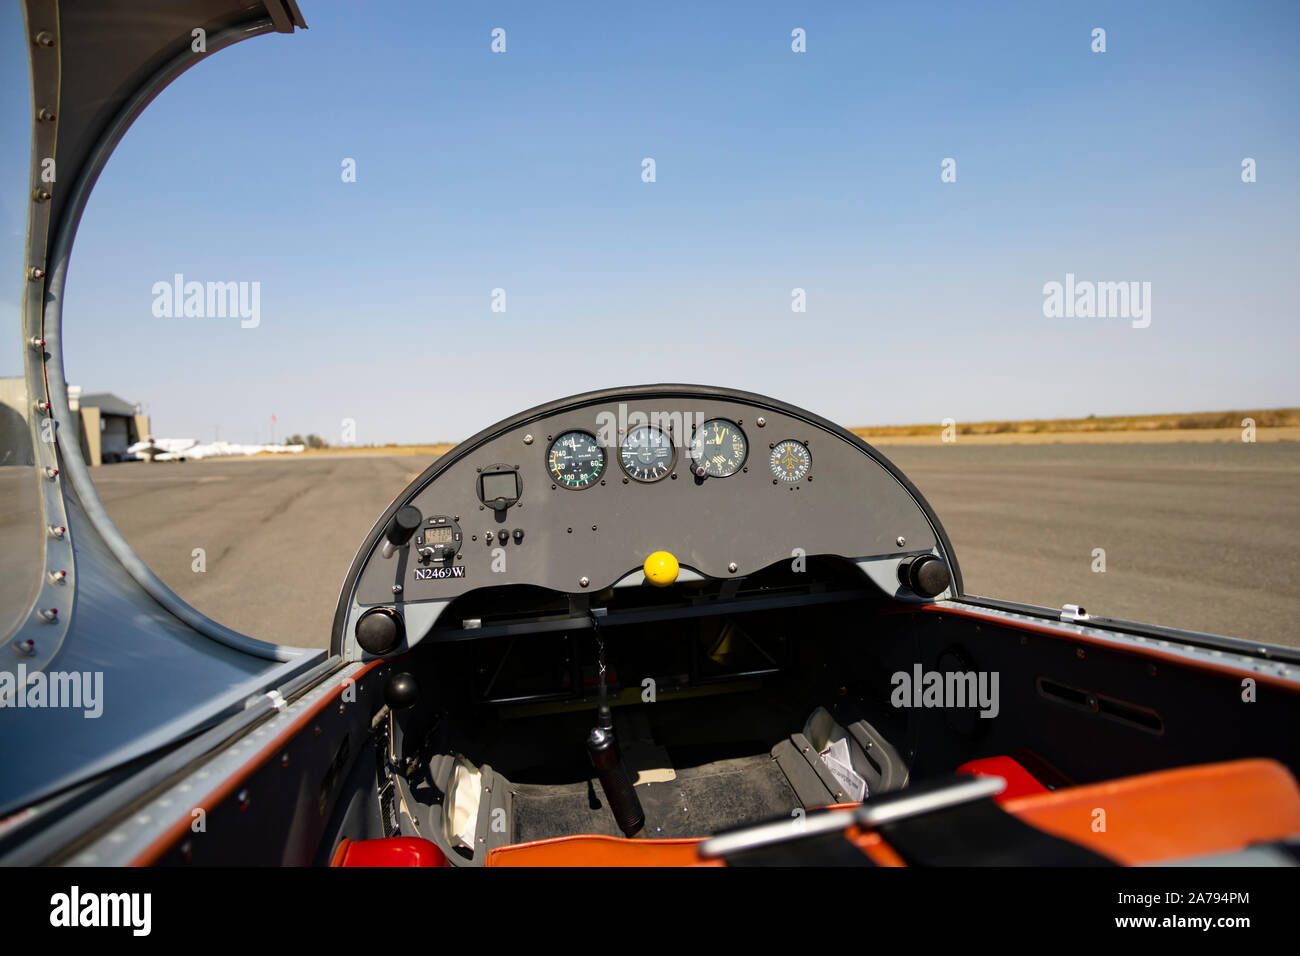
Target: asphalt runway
<point x="1199" y="536"/>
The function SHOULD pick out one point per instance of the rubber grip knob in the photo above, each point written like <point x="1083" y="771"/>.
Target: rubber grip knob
<point x="622" y="798"/>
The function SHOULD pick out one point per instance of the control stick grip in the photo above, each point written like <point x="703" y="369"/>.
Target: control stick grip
<point x="622" y="798"/>
<point x="404" y="524"/>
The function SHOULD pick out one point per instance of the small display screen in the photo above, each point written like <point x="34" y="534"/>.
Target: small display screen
<point x="502" y="485"/>
<point x="437" y="535"/>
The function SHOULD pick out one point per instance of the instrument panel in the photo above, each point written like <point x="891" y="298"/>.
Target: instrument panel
<point x="573" y="496"/>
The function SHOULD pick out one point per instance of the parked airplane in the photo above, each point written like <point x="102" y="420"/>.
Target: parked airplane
<point x="162" y="449"/>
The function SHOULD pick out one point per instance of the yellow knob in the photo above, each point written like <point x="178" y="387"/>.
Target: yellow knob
<point x="661" y="569"/>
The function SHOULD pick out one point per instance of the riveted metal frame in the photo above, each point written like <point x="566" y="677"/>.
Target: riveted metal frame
<point x="74" y="468"/>
<point x="41" y="633"/>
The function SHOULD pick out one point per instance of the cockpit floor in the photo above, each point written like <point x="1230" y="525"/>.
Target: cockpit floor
<point x="698" y="802"/>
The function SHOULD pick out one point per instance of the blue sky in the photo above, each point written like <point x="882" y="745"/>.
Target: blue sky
<point x="775" y="170"/>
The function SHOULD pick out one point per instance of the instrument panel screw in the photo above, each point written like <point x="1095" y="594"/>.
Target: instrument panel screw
<point x="45" y="115"/>
<point x="26" y="647"/>
<point x="58" y="577"/>
<point x="243" y="799"/>
<point x="44" y="38"/>
<point x="51" y="473"/>
<point x="583" y="582"/>
<point x="36" y="343"/>
<point x="49" y="615"/>
<point x="34" y="273"/>
<point x="397" y="589"/>
<point x="284" y="760"/>
<point x="57" y="531"/>
<point x="42" y="195"/>
<point x="732" y="567"/>
<point x="761" y="421"/>
<point x="900" y="540"/>
<point x="528" y="439"/>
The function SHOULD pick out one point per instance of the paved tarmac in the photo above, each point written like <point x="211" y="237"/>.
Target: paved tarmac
<point x="1199" y="536"/>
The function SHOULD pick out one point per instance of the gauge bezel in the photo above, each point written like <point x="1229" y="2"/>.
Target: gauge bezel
<point x="772" y="461"/>
<point x="672" y="448"/>
<point x="604" y="459"/>
<point x="743" y="435"/>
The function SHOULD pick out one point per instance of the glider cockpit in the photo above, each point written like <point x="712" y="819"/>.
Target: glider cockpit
<point x="659" y="612"/>
<point x="665" y="612"/>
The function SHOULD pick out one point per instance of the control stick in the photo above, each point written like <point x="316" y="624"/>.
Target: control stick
<point x="614" y="781"/>
<point x="603" y="750"/>
<point x="404" y="524"/>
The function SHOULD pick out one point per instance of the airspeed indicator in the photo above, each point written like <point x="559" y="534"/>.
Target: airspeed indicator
<point x="575" y="460"/>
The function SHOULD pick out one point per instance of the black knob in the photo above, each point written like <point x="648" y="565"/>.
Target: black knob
<point x="404" y="524"/>
<point x="379" y="630"/>
<point x="401" y="691"/>
<point x="926" y="574"/>
<point x="503" y="535"/>
<point x="519" y="535"/>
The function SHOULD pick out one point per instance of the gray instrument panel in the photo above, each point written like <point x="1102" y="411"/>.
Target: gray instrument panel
<point x="848" y="504"/>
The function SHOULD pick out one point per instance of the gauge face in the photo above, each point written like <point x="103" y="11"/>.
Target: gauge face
<point x="646" y="454"/>
<point x="575" y="460"/>
<point x="791" y="461"/>
<point x="719" y="448"/>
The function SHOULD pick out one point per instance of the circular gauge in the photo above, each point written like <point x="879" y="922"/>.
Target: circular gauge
<point x="718" y="448"/>
<point x="791" y="461"/>
<point x="575" y="460"/>
<point x="646" y="454"/>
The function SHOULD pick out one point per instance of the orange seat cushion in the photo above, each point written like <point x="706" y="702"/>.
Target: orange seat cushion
<point x="1187" y="811"/>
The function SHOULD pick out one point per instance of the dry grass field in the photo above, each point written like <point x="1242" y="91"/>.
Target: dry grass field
<point x="1277" y="424"/>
